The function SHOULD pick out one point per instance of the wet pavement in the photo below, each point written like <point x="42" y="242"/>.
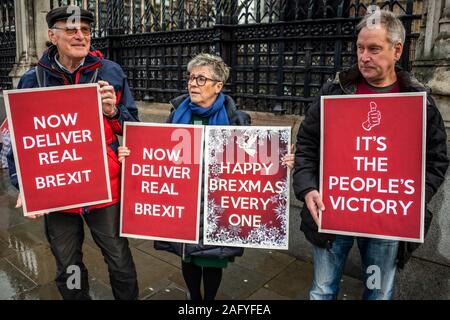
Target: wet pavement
<point x="27" y="267"/>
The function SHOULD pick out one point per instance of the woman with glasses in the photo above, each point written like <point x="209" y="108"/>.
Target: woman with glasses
<point x="205" y="102"/>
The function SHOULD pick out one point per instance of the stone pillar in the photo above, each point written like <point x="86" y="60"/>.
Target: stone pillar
<point x="41" y="8"/>
<point x="31" y="34"/>
<point x="432" y="62"/>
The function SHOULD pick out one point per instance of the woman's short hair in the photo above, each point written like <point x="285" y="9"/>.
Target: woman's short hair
<point x="217" y="66"/>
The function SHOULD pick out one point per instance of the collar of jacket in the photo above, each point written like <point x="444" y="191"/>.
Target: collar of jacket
<point x="349" y="78"/>
<point x="92" y="61"/>
<point x="229" y="103"/>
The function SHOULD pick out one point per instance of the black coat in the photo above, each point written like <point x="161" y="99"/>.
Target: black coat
<point x="236" y="118"/>
<point x="307" y="155"/>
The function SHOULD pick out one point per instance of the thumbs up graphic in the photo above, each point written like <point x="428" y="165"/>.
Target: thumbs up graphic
<point x="373" y="117"/>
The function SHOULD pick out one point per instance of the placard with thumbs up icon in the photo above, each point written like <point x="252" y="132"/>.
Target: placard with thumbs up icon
<point x="373" y="165"/>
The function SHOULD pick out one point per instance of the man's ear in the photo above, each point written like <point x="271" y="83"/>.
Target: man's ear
<point x="51" y="36"/>
<point x="398" y="48"/>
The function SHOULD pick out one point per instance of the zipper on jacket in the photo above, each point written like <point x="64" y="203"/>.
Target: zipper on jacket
<point x="183" y="255"/>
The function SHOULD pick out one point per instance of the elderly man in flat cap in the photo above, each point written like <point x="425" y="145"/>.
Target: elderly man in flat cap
<point x="71" y="60"/>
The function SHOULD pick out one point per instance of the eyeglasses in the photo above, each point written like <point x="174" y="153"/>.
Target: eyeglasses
<point x="200" y="80"/>
<point x="86" y="31"/>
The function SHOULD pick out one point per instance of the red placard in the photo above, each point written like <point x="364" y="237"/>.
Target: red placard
<point x="373" y="165"/>
<point x="59" y="147"/>
<point x="161" y="182"/>
<point x="246" y="187"/>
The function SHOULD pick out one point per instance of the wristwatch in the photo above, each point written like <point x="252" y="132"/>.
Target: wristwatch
<point x="116" y="111"/>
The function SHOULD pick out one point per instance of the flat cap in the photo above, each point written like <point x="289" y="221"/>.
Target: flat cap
<point x="66" y="12"/>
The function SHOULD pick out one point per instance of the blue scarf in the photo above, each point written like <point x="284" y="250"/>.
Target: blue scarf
<point x="216" y="113"/>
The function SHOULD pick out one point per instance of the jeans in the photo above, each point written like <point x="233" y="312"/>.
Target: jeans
<point x="378" y="259"/>
<point x="65" y="233"/>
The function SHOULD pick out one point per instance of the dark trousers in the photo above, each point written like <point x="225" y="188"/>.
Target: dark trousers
<point x="65" y="233"/>
<point x="193" y="275"/>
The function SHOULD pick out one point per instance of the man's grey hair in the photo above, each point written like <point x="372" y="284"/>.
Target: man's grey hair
<point x="215" y="63"/>
<point x="395" y="30"/>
